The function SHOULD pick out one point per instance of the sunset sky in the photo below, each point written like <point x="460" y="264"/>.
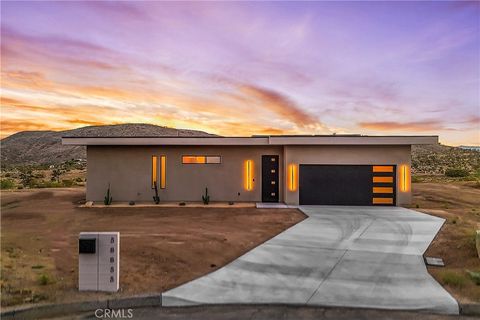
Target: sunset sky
<point x="244" y="68"/>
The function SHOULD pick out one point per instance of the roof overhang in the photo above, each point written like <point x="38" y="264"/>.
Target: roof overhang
<point x="249" y="141"/>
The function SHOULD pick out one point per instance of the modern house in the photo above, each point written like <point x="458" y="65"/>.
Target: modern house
<point x="306" y="170"/>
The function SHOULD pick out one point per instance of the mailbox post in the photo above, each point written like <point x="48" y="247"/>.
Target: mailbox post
<point x="99" y="261"/>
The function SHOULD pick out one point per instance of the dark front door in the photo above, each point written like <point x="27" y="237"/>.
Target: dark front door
<point x="270" y="178"/>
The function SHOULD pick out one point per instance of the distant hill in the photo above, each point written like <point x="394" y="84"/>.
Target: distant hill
<point x="434" y="159"/>
<point x="45" y="147"/>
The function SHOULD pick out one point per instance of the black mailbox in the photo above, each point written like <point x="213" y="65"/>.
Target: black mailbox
<point x="86" y="245"/>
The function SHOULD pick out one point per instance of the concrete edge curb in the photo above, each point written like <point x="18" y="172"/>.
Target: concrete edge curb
<point x="53" y="310"/>
<point x="469" y="309"/>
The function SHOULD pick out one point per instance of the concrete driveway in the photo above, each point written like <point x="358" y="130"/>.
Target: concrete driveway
<point x="339" y="256"/>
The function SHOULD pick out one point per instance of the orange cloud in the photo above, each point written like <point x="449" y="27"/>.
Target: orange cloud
<point x="77" y="122"/>
<point x="24" y="79"/>
<point x="13" y="126"/>
<point x="280" y="104"/>
<point x="427" y="125"/>
<point x="9" y="101"/>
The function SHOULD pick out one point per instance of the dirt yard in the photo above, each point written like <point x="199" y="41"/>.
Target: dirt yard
<point x="459" y="204"/>
<point x="160" y="247"/>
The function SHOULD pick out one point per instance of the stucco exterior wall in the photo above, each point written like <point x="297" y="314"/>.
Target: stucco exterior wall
<point x="369" y="155"/>
<point x="128" y="170"/>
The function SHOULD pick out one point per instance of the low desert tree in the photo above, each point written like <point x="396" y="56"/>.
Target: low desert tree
<point x="56" y="173"/>
<point x="26" y="177"/>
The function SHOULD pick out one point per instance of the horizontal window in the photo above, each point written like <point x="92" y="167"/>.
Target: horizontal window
<point x="214" y="159"/>
<point x="193" y="159"/>
<point x="202" y="159"/>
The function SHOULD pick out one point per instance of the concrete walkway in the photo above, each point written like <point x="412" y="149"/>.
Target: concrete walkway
<point x="339" y="256"/>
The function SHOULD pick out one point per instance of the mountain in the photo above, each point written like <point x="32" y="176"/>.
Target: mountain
<point x="45" y="147"/>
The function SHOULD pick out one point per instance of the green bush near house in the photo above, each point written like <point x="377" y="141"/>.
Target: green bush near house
<point x="456" y="172"/>
<point x="7" y="184"/>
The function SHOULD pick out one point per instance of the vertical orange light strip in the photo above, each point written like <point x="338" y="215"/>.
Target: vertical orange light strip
<point x="248" y="175"/>
<point x="404" y="178"/>
<point x="154" y="170"/>
<point x="163" y="172"/>
<point x="292" y="177"/>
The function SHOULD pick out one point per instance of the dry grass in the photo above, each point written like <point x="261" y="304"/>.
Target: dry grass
<point x="160" y="247"/>
<point x="459" y="204"/>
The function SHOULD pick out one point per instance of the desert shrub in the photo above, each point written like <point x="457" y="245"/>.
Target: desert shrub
<point x="44" y="279"/>
<point x="26" y="177"/>
<point x="39" y="175"/>
<point x="7" y="184"/>
<point x="477" y="173"/>
<point x="456" y="172"/>
<point x="453" y="279"/>
<point x="46" y="184"/>
<point x="469" y="239"/>
<point x="475" y="276"/>
<point x="416" y="179"/>
<point x="68" y="183"/>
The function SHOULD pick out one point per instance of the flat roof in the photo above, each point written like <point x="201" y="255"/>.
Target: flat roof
<point x="246" y="141"/>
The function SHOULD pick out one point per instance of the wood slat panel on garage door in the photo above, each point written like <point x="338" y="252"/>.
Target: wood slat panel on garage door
<point x="384" y="185"/>
<point x="363" y="185"/>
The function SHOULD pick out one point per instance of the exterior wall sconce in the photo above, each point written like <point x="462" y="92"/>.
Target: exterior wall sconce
<point x="292" y="177"/>
<point x="404" y="178"/>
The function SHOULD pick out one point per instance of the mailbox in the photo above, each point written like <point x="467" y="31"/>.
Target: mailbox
<point x="99" y="261"/>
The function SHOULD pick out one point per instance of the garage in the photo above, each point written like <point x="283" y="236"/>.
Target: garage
<point x="360" y="185"/>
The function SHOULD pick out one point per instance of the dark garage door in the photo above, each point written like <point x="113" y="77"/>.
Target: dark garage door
<point x="347" y="185"/>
